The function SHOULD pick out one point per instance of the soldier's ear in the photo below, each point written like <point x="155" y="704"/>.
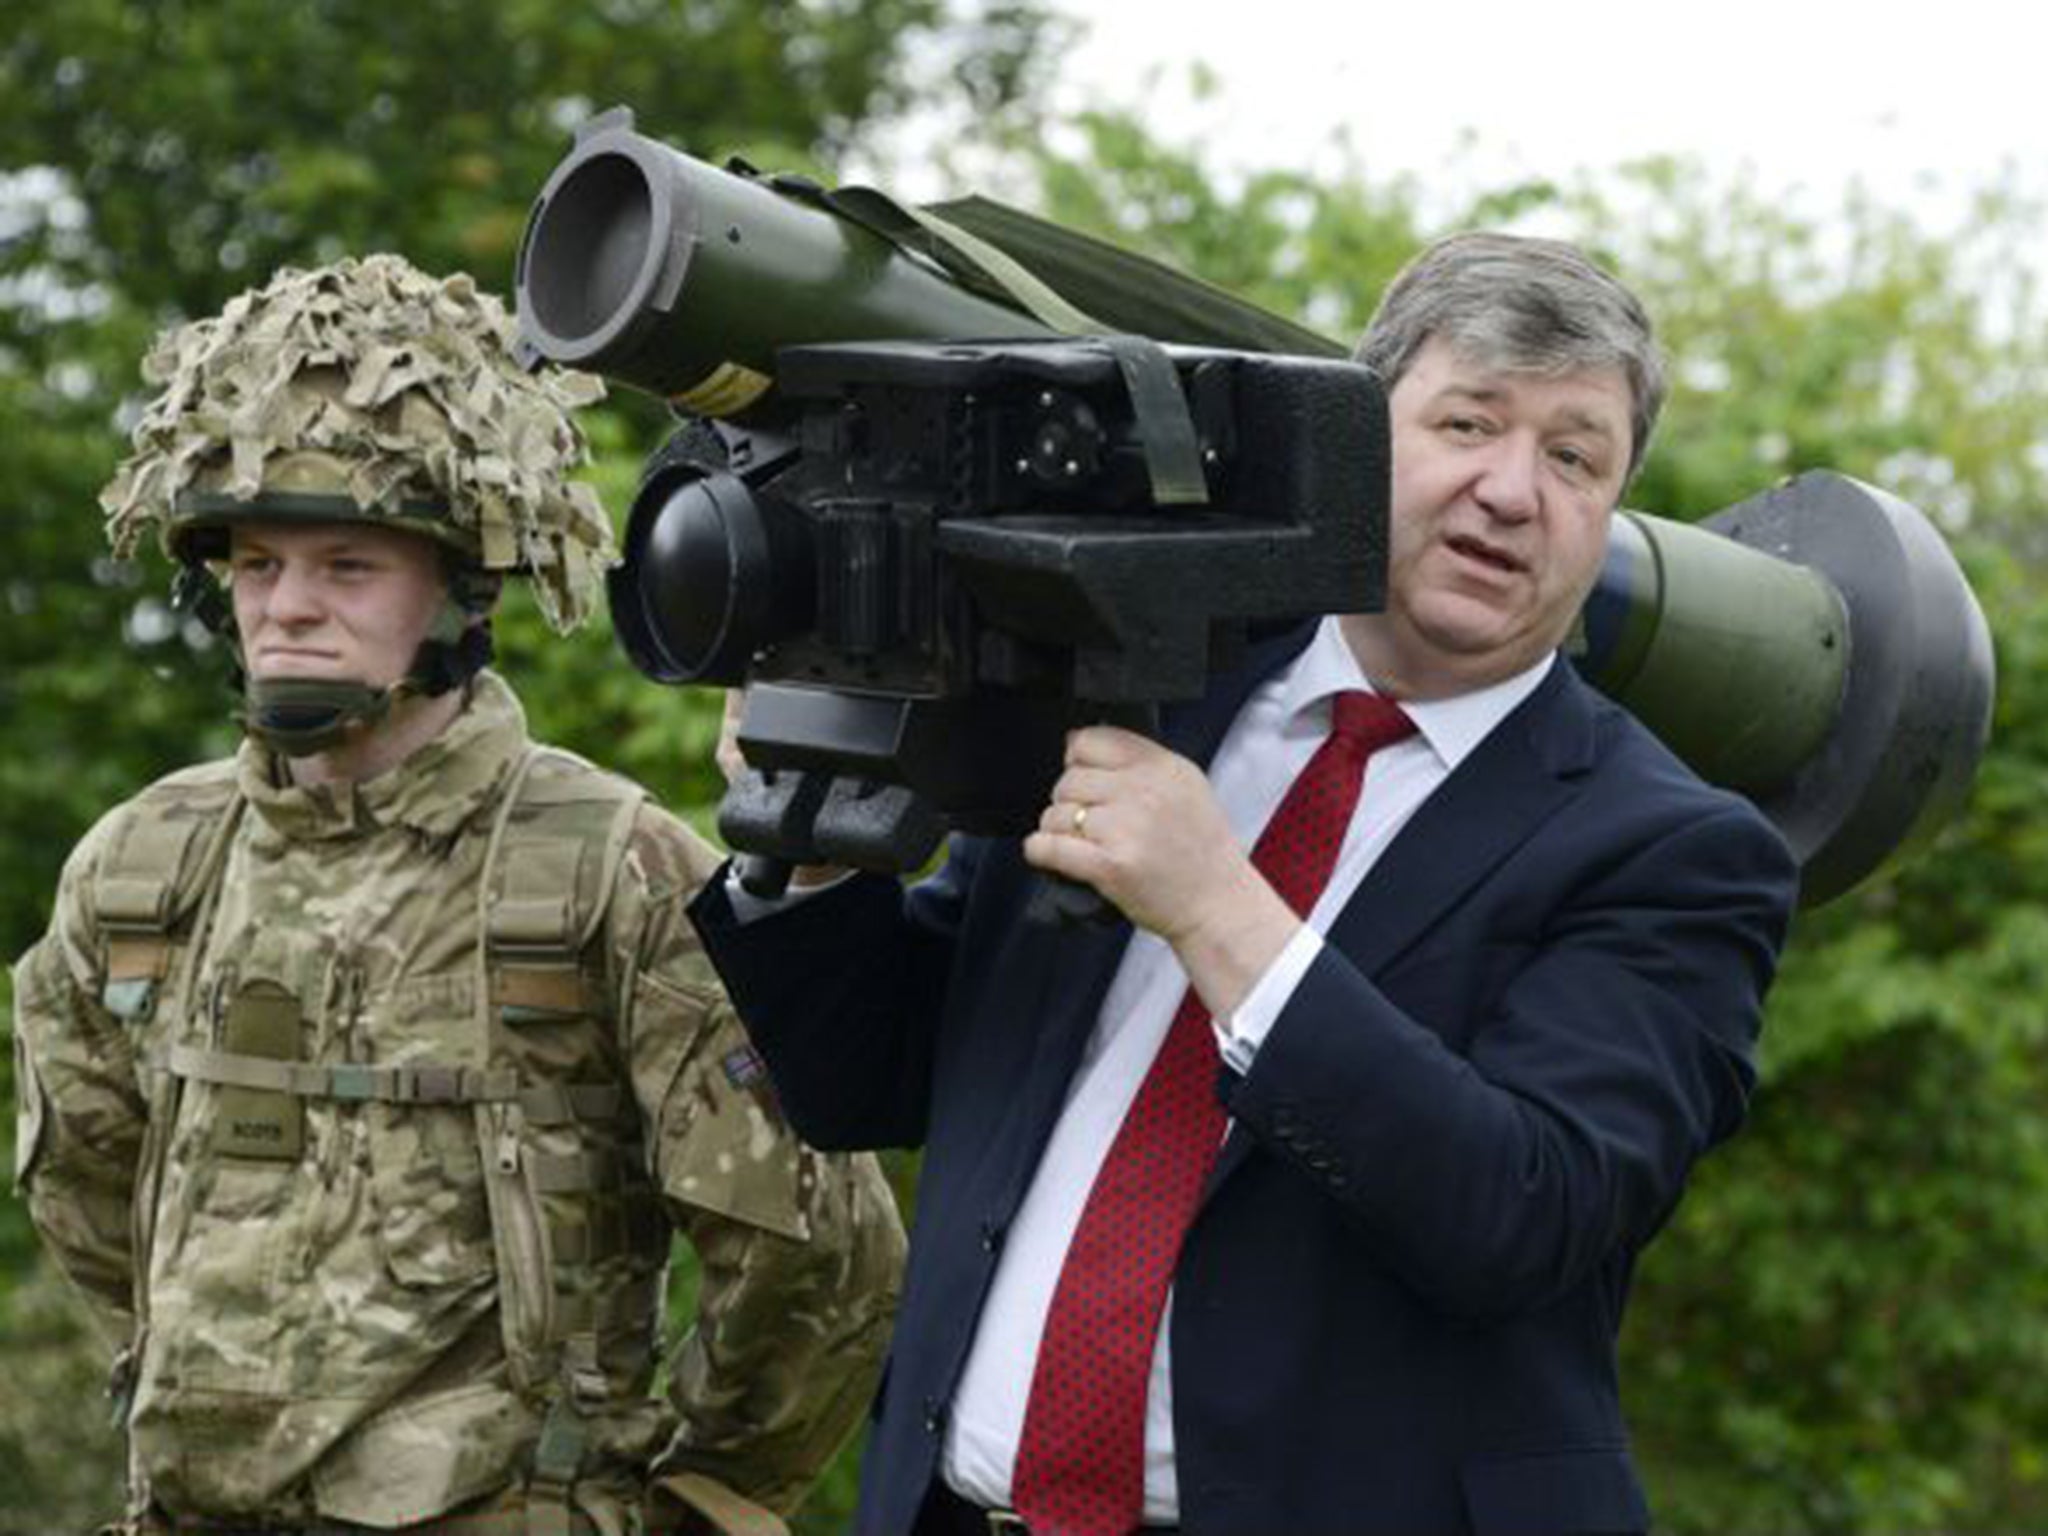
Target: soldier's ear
<point x="474" y="590"/>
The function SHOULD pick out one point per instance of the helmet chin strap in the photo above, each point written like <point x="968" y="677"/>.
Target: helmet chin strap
<point x="300" y="716"/>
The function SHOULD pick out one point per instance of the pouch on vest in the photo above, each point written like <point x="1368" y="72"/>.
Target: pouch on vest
<point x="260" y="1123"/>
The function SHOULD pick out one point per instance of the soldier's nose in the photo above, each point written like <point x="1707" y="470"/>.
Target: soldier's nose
<point x="293" y="598"/>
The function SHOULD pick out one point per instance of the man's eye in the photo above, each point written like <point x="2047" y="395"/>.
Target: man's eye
<point x="1464" y="426"/>
<point x="1576" y="461"/>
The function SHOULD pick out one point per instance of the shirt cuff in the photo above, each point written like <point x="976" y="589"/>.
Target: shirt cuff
<point x="746" y="906"/>
<point x="1241" y="1035"/>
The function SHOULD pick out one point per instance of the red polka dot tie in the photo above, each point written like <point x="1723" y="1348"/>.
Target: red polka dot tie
<point x="1081" y="1462"/>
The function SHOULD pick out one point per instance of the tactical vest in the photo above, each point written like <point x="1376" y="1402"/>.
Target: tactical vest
<point x="564" y="1163"/>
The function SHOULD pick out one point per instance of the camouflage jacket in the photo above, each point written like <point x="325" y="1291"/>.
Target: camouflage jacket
<point x="402" y="1179"/>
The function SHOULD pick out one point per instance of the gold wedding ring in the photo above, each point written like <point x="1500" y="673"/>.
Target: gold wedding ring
<point x="1080" y="821"/>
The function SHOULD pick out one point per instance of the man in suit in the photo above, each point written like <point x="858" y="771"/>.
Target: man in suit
<point x="1306" y="1200"/>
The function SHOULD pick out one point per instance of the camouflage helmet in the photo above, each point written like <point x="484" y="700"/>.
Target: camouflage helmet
<point x="367" y="391"/>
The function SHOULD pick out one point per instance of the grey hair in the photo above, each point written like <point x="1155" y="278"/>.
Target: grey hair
<point x="1524" y="304"/>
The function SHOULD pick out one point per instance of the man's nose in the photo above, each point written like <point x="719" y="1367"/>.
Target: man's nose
<point x="1508" y="486"/>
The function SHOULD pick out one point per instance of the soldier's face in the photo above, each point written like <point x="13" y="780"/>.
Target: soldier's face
<point x="333" y="600"/>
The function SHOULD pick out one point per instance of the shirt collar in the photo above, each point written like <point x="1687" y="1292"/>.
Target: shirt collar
<point x="434" y="791"/>
<point x="1452" y="727"/>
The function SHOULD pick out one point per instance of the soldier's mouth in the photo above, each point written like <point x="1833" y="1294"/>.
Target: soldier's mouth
<point x="287" y="659"/>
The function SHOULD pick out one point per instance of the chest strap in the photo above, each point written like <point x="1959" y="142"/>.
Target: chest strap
<point x="412" y="1083"/>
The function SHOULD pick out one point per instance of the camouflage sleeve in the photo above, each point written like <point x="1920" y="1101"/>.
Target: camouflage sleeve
<point x="799" y="1252"/>
<point x="79" y="1115"/>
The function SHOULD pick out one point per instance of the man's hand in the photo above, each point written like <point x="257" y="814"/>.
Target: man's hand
<point x="1140" y="824"/>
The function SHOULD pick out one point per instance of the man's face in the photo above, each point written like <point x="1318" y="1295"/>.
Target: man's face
<point x="333" y="600"/>
<point x="1503" y="485"/>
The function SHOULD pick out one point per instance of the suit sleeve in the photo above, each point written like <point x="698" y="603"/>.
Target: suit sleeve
<point x="79" y="1114"/>
<point x="1496" y="1178"/>
<point x="844" y="994"/>
<point x="799" y="1252"/>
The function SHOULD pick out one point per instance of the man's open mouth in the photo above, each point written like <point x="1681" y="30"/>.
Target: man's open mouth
<point x="1485" y="554"/>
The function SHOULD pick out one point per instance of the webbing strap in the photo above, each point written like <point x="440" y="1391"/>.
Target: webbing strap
<point x="137" y="957"/>
<point x="138" y="896"/>
<point x="1173" y="455"/>
<point x="727" y="1511"/>
<point x="574" y="1174"/>
<point x="136" y="892"/>
<point x="968" y="257"/>
<point x="629" y="1220"/>
<point x="581" y="1368"/>
<point x="164" y="1095"/>
<point x="557" y="1457"/>
<point x="541" y="989"/>
<point x="348" y="1082"/>
<point x="136" y="963"/>
<point x="555" y="849"/>
<point x="412" y="1083"/>
<point x="536" y="907"/>
<point x="561" y="1103"/>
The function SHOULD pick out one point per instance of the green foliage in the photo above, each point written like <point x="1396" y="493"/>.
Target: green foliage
<point x="57" y="1440"/>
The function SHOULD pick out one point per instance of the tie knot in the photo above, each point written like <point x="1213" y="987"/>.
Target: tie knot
<point x="1365" y="722"/>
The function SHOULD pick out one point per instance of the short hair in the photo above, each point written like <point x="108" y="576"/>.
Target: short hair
<point x="1524" y="304"/>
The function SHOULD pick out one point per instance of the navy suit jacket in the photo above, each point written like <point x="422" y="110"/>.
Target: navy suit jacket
<point x="1396" y="1309"/>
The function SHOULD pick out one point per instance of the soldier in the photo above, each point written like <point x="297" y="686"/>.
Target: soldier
<point x="365" y="1075"/>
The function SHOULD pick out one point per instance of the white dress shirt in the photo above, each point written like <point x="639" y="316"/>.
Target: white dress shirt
<point x="1274" y="735"/>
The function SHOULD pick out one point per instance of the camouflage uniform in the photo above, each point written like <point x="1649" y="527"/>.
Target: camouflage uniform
<point x="363" y="1113"/>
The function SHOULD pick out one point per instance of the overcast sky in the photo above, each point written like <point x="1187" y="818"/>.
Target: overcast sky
<point x="1922" y="102"/>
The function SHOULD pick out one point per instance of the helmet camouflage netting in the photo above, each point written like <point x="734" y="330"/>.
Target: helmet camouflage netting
<point x="407" y="384"/>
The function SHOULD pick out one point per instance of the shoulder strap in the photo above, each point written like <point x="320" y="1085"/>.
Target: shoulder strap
<point x="555" y="849"/>
<point x="159" y="865"/>
<point x="966" y="256"/>
<point x="162" y="866"/>
<point x="553" y="859"/>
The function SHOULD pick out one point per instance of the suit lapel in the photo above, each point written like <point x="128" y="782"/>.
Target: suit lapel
<point x="1513" y="782"/>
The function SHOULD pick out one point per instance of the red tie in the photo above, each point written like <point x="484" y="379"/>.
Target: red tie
<point x="1081" y="1462"/>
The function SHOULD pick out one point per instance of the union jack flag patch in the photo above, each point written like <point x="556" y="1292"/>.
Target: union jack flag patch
<point x="744" y="1067"/>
